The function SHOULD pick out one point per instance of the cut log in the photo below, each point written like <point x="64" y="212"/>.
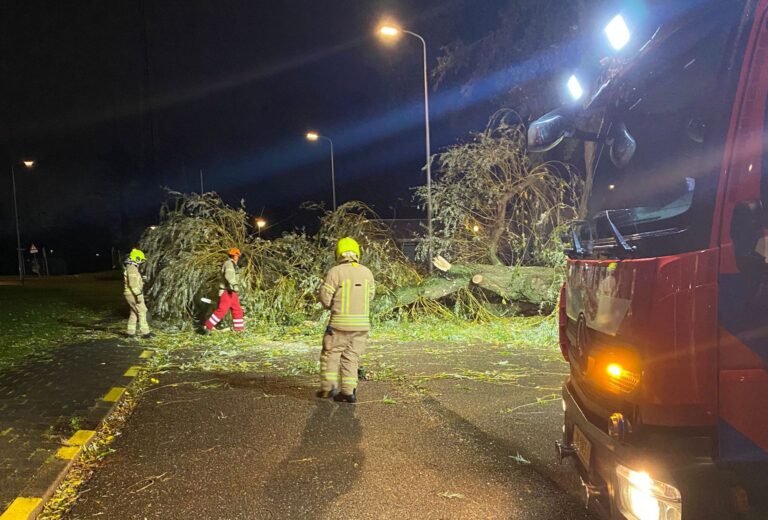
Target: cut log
<point x="519" y="289"/>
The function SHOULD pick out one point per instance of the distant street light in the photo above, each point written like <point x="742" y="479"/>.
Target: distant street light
<point x="260" y="223"/>
<point x="314" y="136"/>
<point x="28" y="163"/>
<point x="390" y="31"/>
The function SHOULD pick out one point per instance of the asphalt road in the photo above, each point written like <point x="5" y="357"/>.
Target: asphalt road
<point x="261" y="446"/>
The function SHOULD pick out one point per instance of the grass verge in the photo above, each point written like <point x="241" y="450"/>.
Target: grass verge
<point x="50" y="312"/>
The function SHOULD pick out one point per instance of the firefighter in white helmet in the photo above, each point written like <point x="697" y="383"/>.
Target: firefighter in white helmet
<point x="347" y="291"/>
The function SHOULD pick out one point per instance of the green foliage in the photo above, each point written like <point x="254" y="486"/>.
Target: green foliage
<point x="279" y="278"/>
<point x="493" y="203"/>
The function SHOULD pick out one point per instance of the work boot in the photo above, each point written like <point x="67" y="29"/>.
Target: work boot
<point x="325" y="394"/>
<point x="205" y="331"/>
<point x="345" y="398"/>
<point x="148" y="335"/>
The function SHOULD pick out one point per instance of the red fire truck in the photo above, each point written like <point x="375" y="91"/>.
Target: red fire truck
<point x="664" y="313"/>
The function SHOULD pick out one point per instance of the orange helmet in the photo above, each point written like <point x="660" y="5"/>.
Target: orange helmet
<point x="234" y="251"/>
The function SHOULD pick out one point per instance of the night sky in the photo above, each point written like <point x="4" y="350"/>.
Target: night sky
<point x="117" y="99"/>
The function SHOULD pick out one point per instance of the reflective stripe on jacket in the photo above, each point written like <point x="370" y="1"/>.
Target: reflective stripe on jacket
<point x="347" y="291"/>
<point x="133" y="283"/>
<point x="230" y="277"/>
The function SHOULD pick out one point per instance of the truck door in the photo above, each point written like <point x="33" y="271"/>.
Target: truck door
<point x="743" y="279"/>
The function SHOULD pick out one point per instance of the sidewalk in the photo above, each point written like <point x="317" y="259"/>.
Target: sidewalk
<point x="46" y="399"/>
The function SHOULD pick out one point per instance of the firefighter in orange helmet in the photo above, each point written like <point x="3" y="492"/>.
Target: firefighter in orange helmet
<point x="229" y="287"/>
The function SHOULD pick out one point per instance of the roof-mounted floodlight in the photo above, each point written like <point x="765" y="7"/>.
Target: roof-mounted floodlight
<point x="617" y="32"/>
<point x="575" y="88"/>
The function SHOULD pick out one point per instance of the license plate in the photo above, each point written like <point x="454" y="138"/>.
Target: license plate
<point x="583" y="446"/>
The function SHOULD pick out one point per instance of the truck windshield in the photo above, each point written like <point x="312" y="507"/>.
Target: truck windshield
<point x="671" y="104"/>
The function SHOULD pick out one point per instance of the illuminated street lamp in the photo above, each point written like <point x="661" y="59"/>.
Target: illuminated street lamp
<point x="28" y="163"/>
<point x="390" y="31"/>
<point x="260" y="224"/>
<point x="314" y="136"/>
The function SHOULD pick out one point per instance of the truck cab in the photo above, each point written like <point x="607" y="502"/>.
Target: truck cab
<point x="664" y="312"/>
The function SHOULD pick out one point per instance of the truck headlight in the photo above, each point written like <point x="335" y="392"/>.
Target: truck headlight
<point x="640" y="497"/>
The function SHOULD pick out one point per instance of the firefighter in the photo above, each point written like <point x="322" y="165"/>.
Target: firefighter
<point x="133" y="291"/>
<point x="229" y="286"/>
<point x="347" y="291"/>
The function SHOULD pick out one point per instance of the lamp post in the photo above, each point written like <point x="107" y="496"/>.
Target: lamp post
<point x="28" y="163"/>
<point x="390" y="31"/>
<point x="260" y="223"/>
<point x="314" y="136"/>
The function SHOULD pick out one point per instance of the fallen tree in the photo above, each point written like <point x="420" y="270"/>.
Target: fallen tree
<point x="509" y="290"/>
<point x="280" y="277"/>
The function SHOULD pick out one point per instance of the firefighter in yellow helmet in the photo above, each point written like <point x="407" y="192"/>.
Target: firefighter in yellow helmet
<point x="133" y="290"/>
<point x="347" y="291"/>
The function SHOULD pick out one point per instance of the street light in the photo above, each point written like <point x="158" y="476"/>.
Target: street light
<point x="260" y="223"/>
<point x="28" y="163"/>
<point x="390" y="31"/>
<point x="314" y="136"/>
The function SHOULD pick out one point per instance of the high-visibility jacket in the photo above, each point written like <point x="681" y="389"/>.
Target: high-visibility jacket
<point x="230" y="277"/>
<point x="347" y="291"/>
<point x="133" y="283"/>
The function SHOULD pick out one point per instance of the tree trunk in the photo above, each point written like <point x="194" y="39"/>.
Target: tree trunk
<point x="498" y="230"/>
<point x="521" y="289"/>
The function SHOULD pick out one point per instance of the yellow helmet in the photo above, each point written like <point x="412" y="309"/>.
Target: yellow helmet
<point x="137" y="255"/>
<point x="347" y="248"/>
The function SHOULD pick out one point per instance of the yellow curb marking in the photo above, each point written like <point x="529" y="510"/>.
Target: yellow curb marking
<point x="68" y="452"/>
<point x="146" y="354"/>
<point x="81" y="437"/>
<point x="133" y="371"/>
<point x="21" y="508"/>
<point x="114" y="394"/>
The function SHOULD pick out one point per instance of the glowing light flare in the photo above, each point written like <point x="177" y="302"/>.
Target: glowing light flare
<point x="644" y="505"/>
<point x="476" y="228"/>
<point x="618" y="33"/>
<point x="313" y="136"/>
<point x="388" y="30"/>
<point x="614" y="370"/>
<point x="260" y="223"/>
<point x="643" y="498"/>
<point x="29" y="163"/>
<point x="575" y="88"/>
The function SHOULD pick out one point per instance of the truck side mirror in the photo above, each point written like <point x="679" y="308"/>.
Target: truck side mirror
<point x="622" y="145"/>
<point x="549" y="130"/>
